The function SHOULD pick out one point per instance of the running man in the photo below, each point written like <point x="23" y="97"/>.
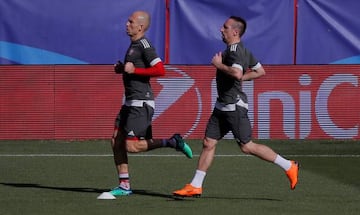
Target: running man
<point x="231" y="109"/>
<point x="133" y="131"/>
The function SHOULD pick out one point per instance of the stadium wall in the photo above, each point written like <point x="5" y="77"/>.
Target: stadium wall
<point x="81" y="101"/>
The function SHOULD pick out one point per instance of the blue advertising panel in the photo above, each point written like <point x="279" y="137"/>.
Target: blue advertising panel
<point x="72" y="32"/>
<point x="93" y="32"/>
<point x="328" y="32"/>
<point x="195" y="29"/>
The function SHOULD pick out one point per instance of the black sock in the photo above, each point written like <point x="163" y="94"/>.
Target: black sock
<point x="170" y="142"/>
<point x="154" y="144"/>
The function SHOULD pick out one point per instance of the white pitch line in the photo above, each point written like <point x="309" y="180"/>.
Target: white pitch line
<point x="166" y="155"/>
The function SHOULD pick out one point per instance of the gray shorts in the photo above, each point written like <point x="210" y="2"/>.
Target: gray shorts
<point x="135" y="121"/>
<point x="221" y="122"/>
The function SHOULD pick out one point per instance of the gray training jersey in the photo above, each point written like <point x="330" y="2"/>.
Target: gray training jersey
<point x="141" y="53"/>
<point x="228" y="88"/>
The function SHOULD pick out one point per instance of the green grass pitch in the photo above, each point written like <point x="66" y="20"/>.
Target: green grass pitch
<point x="65" y="177"/>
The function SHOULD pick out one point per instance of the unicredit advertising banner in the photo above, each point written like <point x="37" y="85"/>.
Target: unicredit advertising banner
<point x="81" y="102"/>
<point x="182" y="31"/>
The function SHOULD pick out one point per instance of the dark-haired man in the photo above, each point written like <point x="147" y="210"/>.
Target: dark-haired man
<point x="235" y="65"/>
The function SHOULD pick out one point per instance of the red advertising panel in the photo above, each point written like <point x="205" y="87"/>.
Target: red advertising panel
<point x="26" y="102"/>
<point x="86" y="102"/>
<point x="81" y="102"/>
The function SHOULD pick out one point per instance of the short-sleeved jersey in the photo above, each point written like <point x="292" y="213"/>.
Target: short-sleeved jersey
<point x="142" y="54"/>
<point x="228" y="88"/>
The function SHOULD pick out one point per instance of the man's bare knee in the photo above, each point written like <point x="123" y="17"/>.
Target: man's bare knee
<point x="135" y="146"/>
<point x="247" y="148"/>
<point x="209" y="144"/>
<point x="131" y="147"/>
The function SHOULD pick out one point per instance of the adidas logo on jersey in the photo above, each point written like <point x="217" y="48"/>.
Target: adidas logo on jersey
<point x="131" y="133"/>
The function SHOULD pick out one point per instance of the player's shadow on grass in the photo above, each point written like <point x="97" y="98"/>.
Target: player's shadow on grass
<point x="155" y="194"/>
<point x="82" y="189"/>
<point x="176" y="198"/>
<point x="243" y="198"/>
<point x="136" y="192"/>
<point x="70" y="189"/>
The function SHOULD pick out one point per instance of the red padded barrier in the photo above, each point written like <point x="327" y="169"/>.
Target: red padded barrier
<point x="81" y="101"/>
<point x="26" y="102"/>
<point x="86" y="101"/>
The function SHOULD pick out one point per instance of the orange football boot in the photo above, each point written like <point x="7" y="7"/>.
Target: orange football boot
<point x="188" y="191"/>
<point x="292" y="174"/>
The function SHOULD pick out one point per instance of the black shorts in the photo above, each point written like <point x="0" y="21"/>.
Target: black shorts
<point x="221" y="122"/>
<point x="135" y="121"/>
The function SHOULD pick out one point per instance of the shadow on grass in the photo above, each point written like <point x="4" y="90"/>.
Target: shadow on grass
<point x="68" y="189"/>
<point x="243" y="198"/>
<point x="177" y="198"/>
<point x="136" y="192"/>
<point x="82" y="189"/>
